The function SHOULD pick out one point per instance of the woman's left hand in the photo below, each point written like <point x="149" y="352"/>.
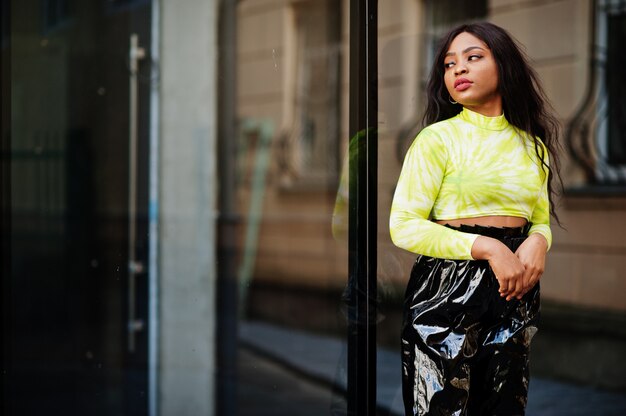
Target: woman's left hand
<point x="532" y="254"/>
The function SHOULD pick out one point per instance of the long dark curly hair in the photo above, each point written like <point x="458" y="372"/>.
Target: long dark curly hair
<point x="524" y="102"/>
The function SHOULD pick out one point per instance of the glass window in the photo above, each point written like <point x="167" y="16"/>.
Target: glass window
<point x="77" y="312"/>
<point x="616" y="89"/>
<point x="610" y="166"/>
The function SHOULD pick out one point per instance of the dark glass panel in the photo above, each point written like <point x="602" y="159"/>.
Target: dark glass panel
<point x="616" y="89"/>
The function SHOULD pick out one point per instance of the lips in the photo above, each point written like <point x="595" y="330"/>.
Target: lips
<point x="462" y="84"/>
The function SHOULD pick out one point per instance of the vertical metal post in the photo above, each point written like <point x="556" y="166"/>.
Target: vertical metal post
<point x="228" y="220"/>
<point x="363" y="207"/>
<point x="153" y="213"/>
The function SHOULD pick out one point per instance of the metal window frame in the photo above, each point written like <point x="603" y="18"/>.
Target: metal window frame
<point x="585" y="133"/>
<point x="363" y="215"/>
<point x="606" y="172"/>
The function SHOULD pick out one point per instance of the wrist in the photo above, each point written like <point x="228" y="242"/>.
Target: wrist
<point x="539" y="240"/>
<point x="485" y="248"/>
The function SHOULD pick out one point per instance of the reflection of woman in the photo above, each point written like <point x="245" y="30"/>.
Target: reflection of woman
<point x="473" y="200"/>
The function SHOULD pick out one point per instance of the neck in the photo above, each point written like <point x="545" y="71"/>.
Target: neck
<point x="492" y="108"/>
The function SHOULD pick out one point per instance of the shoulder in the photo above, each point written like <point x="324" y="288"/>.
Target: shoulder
<point x="432" y="144"/>
<point x="535" y="148"/>
<point x="536" y="145"/>
<point x="439" y="133"/>
<point x="444" y="127"/>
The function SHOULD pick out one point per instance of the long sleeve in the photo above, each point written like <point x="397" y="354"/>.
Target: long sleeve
<point x="540" y="217"/>
<point x="422" y="173"/>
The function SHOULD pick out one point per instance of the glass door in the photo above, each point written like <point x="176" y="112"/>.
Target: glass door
<point x="76" y="290"/>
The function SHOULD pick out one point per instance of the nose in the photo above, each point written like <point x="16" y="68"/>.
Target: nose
<point x="460" y="69"/>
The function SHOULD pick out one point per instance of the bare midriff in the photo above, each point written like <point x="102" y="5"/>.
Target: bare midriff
<point x="487" y="221"/>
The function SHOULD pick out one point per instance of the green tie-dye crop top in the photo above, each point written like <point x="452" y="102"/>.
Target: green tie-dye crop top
<point x="467" y="166"/>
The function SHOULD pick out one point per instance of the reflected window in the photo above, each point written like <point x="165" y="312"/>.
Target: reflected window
<point x="309" y="144"/>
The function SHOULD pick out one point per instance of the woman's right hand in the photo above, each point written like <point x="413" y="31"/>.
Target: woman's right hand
<point x="506" y="266"/>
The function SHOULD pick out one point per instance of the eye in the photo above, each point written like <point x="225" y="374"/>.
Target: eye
<point x="449" y="64"/>
<point x="474" y="57"/>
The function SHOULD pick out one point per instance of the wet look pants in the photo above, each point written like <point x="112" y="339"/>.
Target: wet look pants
<point x="464" y="348"/>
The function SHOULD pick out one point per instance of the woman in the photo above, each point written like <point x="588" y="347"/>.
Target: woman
<point x="473" y="200"/>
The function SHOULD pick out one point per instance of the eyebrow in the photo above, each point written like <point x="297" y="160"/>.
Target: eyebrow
<point x="466" y="50"/>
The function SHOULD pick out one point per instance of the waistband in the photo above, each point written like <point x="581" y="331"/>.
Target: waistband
<point x="494" y="232"/>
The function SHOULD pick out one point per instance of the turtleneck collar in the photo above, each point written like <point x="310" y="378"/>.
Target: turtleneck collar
<point x="490" y="123"/>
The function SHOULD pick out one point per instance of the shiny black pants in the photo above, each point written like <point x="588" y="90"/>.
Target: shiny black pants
<point x="464" y="348"/>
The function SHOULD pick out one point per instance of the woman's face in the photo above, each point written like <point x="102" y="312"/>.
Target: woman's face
<point x="471" y="75"/>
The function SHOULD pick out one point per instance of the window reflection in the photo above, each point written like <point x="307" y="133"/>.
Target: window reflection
<point x="291" y="270"/>
<point x="309" y="144"/>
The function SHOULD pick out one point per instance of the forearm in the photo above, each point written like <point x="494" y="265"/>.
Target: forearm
<point x="425" y="237"/>
<point x="486" y="248"/>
